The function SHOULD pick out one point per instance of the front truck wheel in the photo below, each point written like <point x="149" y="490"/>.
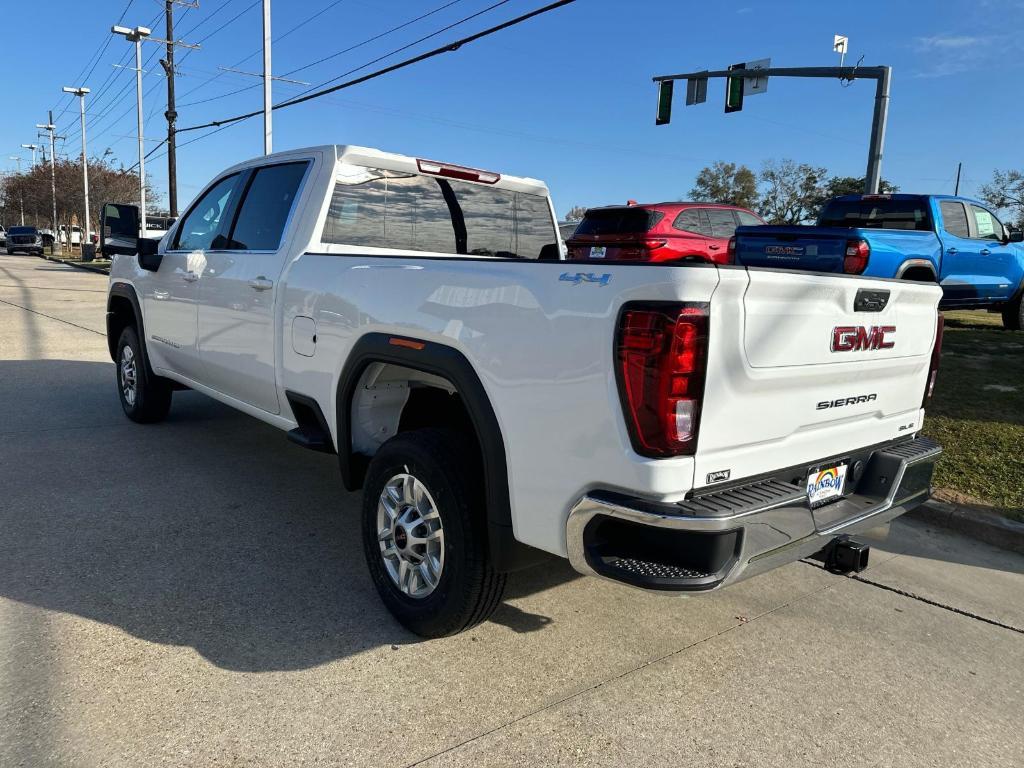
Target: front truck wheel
<point x="145" y="398"/>
<point x="425" y="532"/>
<point x="1013" y="313"/>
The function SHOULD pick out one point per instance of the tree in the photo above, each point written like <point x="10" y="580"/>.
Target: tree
<point x="1006" y="191"/>
<point x="32" y="189"/>
<point x="575" y="213"/>
<point x="726" y="183"/>
<point x="851" y="185"/>
<point x="790" y="192"/>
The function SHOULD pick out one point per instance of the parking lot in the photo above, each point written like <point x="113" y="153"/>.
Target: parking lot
<point x="194" y="593"/>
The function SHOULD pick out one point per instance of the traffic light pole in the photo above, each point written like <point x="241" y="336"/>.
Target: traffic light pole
<point x="881" y="75"/>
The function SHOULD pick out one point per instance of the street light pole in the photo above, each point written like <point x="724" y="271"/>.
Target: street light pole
<point x="268" y="131"/>
<point x="135" y="35"/>
<point x="33" y="147"/>
<point x="21" y="200"/>
<point x="50" y="128"/>
<point x="80" y="93"/>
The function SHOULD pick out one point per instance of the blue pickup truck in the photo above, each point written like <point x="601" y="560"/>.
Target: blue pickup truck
<point x="959" y="243"/>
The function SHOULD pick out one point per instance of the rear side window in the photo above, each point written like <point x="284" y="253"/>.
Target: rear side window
<point x="265" y="207"/>
<point x="723" y="225"/>
<point x="404" y="211"/>
<point x="202" y="223"/>
<point x="954" y="218"/>
<point x="618" y="221"/>
<point x="689" y="221"/>
<point x="877" y="214"/>
<point x="748" y="219"/>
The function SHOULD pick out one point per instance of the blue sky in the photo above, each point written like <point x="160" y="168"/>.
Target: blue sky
<point x="566" y="97"/>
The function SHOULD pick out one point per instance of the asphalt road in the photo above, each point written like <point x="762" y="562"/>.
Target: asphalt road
<point x="193" y="593"/>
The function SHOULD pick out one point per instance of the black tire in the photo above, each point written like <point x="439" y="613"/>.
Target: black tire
<point x="1013" y="313"/>
<point x="152" y="394"/>
<point x="468" y="589"/>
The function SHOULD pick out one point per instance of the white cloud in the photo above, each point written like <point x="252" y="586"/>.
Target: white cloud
<point x="946" y="42"/>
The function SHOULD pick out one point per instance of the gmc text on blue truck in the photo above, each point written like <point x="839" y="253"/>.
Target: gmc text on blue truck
<point x="959" y="243"/>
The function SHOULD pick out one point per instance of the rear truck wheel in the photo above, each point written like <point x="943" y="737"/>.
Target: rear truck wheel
<point x="1013" y="313"/>
<point x="145" y="398"/>
<point x="425" y="532"/>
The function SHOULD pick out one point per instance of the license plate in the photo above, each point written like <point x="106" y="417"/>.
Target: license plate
<point x="598" y="252"/>
<point x="825" y="484"/>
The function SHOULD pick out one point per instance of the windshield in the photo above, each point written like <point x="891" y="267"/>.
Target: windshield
<point x="21" y="231"/>
<point x="877" y="214"/>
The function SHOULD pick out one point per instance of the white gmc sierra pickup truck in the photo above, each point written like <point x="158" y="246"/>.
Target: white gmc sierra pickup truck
<point x="672" y="427"/>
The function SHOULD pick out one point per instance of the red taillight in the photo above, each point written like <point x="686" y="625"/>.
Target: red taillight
<point x="856" y="259"/>
<point x="933" y="367"/>
<point x="662" y="356"/>
<point x="652" y="245"/>
<point x="732" y="250"/>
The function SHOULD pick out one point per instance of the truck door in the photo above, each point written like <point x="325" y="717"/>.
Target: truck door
<point x="961" y="263"/>
<point x="170" y="294"/>
<point x="997" y="260"/>
<point x="240" y="285"/>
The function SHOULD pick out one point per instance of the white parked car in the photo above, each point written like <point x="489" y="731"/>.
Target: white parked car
<point x="676" y="428"/>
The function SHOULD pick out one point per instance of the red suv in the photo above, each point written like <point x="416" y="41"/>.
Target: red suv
<point x="659" y="232"/>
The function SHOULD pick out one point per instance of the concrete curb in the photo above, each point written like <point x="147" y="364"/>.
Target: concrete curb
<point x="984" y="526"/>
<point x="78" y="265"/>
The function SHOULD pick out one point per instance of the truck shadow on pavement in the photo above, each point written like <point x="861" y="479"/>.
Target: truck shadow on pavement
<point x="209" y="530"/>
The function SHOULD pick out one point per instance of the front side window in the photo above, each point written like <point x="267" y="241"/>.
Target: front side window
<point x="748" y="219"/>
<point x="987" y="226"/>
<point x="407" y="211"/>
<point x="265" y="207"/>
<point x="201" y="225"/>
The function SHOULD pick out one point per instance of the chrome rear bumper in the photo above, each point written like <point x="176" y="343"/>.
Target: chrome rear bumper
<point x="718" y="538"/>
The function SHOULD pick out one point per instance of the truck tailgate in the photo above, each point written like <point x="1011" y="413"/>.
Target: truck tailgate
<point x="816" y="249"/>
<point x="800" y="374"/>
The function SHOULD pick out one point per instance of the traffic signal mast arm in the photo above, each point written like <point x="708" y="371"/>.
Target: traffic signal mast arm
<point x="881" y="75"/>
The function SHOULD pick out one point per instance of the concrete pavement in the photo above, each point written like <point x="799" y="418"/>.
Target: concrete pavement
<point x="194" y="593"/>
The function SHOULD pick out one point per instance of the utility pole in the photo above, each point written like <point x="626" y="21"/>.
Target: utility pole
<point x="172" y="114"/>
<point x="882" y="75"/>
<point x="50" y="128"/>
<point x="268" y="131"/>
<point x="80" y="93"/>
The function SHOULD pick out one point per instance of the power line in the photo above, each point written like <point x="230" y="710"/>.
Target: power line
<point x="94" y="60"/>
<point x="446" y="48"/>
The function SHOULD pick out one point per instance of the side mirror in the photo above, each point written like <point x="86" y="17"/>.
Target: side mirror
<point x="119" y="229"/>
<point x="149" y="255"/>
<point x="1015" y="236"/>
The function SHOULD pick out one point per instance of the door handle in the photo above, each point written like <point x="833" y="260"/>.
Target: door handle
<point x="261" y="283"/>
<point x="190" y="277"/>
<point x="951" y="250"/>
<point x="984" y="251"/>
<point x="714" y="247"/>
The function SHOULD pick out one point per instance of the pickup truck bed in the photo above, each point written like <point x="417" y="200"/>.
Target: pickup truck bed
<point x="675" y="428"/>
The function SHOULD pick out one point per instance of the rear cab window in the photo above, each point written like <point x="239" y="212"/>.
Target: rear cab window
<point x="877" y="213"/>
<point x="405" y="211"/>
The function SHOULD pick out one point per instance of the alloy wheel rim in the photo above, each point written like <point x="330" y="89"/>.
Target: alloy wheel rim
<point x="129" y="371"/>
<point x="410" y="536"/>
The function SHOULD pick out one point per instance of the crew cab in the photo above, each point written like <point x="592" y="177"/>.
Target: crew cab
<point x="677" y="428"/>
<point x="956" y="242"/>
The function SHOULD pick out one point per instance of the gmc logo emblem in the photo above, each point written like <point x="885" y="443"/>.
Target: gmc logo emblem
<point x="853" y="338"/>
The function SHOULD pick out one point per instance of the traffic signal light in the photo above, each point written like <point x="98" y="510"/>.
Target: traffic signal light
<point x="734" y="91"/>
<point x="664" y="102"/>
